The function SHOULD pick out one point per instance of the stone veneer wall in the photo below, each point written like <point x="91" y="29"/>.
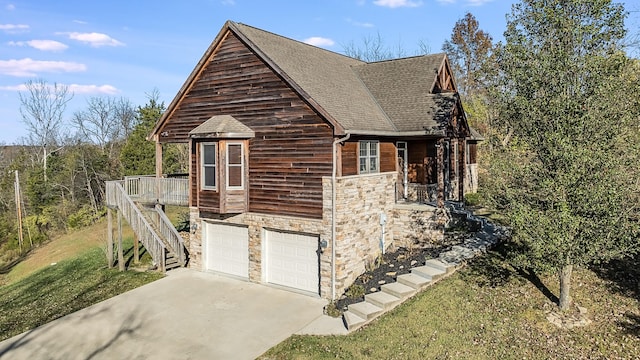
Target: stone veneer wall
<point x="360" y="200"/>
<point x="256" y="224"/>
<point x="416" y="224"/>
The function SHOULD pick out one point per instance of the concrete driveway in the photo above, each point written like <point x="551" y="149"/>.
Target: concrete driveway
<point x="187" y="315"/>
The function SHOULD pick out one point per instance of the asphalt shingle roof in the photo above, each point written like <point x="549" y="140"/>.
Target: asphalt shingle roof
<point x="386" y="96"/>
<point x="222" y="126"/>
<point x="391" y="97"/>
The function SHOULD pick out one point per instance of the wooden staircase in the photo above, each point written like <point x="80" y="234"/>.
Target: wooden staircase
<point x="151" y="227"/>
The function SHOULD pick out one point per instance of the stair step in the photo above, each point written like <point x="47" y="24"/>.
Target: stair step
<point x="382" y="300"/>
<point x="415" y="281"/>
<point x="365" y="310"/>
<point x="428" y="272"/>
<point x="398" y="290"/>
<point x="351" y="320"/>
<point x="439" y="264"/>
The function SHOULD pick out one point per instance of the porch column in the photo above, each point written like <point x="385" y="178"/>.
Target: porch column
<point x="440" y="172"/>
<point x="462" y="166"/>
<point x="109" y="238"/>
<point x="158" y="168"/>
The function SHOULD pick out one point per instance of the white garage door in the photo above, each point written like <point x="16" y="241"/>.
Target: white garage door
<point x="227" y="249"/>
<point x="292" y="260"/>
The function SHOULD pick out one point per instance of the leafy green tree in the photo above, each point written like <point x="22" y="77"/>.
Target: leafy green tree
<point x="138" y="154"/>
<point x="568" y="179"/>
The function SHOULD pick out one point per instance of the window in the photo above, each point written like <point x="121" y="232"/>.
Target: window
<point x="209" y="166"/>
<point x="235" y="166"/>
<point x="369" y="159"/>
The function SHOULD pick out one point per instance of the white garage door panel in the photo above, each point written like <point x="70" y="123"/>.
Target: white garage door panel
<point x="227" y="249"/>
<point x="292" y="260"/>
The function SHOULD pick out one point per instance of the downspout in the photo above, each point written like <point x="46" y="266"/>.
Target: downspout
<point x="333" y="215"/>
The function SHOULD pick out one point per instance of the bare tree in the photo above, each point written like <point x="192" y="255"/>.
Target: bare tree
<point x="373" y="48"/>
<point x="97" y="123"/>
<point x="42" y="108"/>
<point x="125" y="113"/>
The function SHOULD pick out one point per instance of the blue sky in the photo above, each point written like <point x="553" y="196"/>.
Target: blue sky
<point x="129" y="48"/>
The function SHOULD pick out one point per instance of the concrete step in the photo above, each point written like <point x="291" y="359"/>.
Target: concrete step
<point x="382" y="300"/>
<point x="352" y="321"/>
<point x="415" y="281"/>
<point x="438" y="264"/>
<point x="365" y="310"/>
<point x="428" y="272"/>
<point x="398" y="290"/>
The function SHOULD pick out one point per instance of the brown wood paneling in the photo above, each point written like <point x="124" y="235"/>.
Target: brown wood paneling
<point x="350" y="158"/>
<point x="388" y="155"/>
<point x="291" y="150"/>
<point x="473" y="152"/>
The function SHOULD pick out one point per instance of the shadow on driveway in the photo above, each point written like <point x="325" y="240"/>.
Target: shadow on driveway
<point x="187" y="315"/>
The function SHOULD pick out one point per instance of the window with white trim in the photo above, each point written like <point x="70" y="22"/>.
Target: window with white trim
<point x="208" y="152"/>
<point x="235" y="166"/>
<point x="369" y="158"/>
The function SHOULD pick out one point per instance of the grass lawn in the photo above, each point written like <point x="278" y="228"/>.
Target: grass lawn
<point x="60" y="289"/>
<point x="488" y="310"/>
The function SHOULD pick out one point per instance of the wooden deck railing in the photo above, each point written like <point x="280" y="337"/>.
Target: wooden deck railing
<point x="171" y="235"/>
<point x="149" y="189"/>
<point x="117" y="196"/>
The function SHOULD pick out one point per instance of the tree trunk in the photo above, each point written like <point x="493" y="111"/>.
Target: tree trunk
<point x="565" y="287"/>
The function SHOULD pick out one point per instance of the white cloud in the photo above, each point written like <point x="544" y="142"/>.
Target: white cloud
<point x="74" y="88"/>
<point x="80" y="22"/>
<point x="10" y="7"/>
<point x="29" y="67"/>
<point x="228" y="2"/>
<point x="93" y="89"/>
<point x="319" y="41"/>
<point x="398" y="3"/>
<point x="14" y="28"/>
<point x="478" y="2"/>
<point x="44" y="45"/>
<point x="93" y="39"/>
<point x="447" y="1"/>
<point x="360" y="24"/>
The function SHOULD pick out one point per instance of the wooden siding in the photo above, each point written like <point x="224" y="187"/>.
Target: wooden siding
<point x="422" y="161"/>
<point x="388" y="156"/>
<point x="350" y="157"/>
<point x="291" y="150"/>
<point x="473" y="152"/>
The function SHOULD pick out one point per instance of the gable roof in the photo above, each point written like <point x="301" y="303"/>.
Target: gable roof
<point x="392" y="97"/>
<point x="222" y="126"/>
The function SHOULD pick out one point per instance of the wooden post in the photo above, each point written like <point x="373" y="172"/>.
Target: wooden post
<point x="19" y="211"/>
<point x="109" y="238"/>
<point x="462" y="165"/>
<point x="158" y="169"/>
<point x="136" y="251"/>
<point x="440" y="172"/>
<point x="120" y="250"/>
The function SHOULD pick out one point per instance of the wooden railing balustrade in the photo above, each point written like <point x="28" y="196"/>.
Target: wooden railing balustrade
<point x="117" y="196"/>
<point x="171" y="235"/>
<point x="166" y="191"/>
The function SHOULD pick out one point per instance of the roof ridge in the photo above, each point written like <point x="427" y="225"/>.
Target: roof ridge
<point x="407" y="58"/>
<point x="300" y="42"/>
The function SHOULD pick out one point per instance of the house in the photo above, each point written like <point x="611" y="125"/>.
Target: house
<point x="306" y="164"/>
